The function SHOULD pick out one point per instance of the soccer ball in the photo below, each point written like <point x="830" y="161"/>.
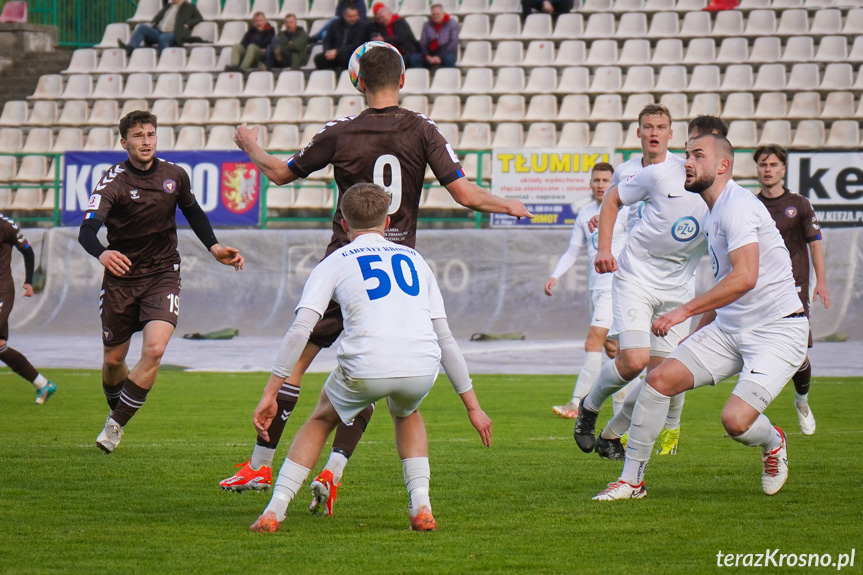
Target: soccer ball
<point x="354" y="63"/>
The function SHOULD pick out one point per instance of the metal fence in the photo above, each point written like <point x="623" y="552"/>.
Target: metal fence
<point x="80" y="23"/>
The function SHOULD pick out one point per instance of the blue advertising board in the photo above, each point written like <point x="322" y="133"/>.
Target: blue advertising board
<point x="226" y="184"/>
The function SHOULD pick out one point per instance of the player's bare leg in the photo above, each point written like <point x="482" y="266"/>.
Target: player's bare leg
<point x="412" y="445"/>
<point x="593" y="345"/>
<point x="17" y="362"/>
<point x="801" y="381"/>
<point x="137" y="383"/>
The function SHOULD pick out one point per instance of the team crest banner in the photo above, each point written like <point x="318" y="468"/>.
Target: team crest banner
<point x="226" y="183"/>
<point x="553" y="183"/>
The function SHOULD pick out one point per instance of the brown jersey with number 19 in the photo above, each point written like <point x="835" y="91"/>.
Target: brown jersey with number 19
<point x="389" y="147"/>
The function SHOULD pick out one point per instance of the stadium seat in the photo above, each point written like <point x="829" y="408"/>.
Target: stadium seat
<point x="321" y="83"/>
<point x="207" y="31"/>
<point x="256" y="111"/>
<point x="68" y="138"/>
<point x="825" y="22"/>
<point x="196" y="112"/>
<point x="226" y="111"/>
<point x="168" y="111"/>
<point x="798" y="49"/>
<point x="664" y="25"/>
<point x="198" y="85"/>
<point x="536" y="26"/>
<point x="290" y="83"/>
<point x="838" y="106"/>
<point x="509" y="108"/>
<point x="170" y="85"/>
<point x="509" y="81"/>
<point x="419" y="104"/>
<point x="574" y="80"/>
<point x="112" y="61"/>
<point x="288" y="110"/>
<point x="417" y="81"/>
<point x="628" y="5"/>
<point x="142" y="60"/>
<point x="671" y="79"/>
<point x="228" y="85"/>
<point x="477" y="54"/>
<point x="659" y="5"/>
<point x="837" y="76"/>
<point x="8" y="169"/>
<point x="803" y="77"/>
<point x="542" y="108"/>
<point x="635" y="103"/>
<point x="285" y="137"/>
<point x="279" y="197"/>
<point x="28" y="198"/>
<point x="319" y="109"/>
<point x="503" y="6"/>
<point x="269" y="7"/>
<point x="776" y="132"/>
<point x="43" y="113"/>
<point x="136" y="104"/>
<point x="793" y="23"/>
<point x="209" y="9"/>
<point x="630" y="137"/>
<point x="542" y="80"/>
<point x="678" y="135"/>
<point x="448" y="108"/>
<point x="322" y="9"/>
<point x="506" y="27"/>
<point x="172" y="60"/>
<point x="114" y="32"/>
<point x="602" y="53"/>
<point x="668" y="51"/>
<point x="541" y="135"/>
<point x="635" y="52"/>
<point x="771" y="77"/>
<point x="413" y="8"/>
<point x="201" y="59"/>
<point x="78" y="87"/>
<point x="638" y="79"/>
<point x="742" y="133"/>
<point x="832" y="49"/>
<point x="232" y="33"/>
<point x="677" y="104"/>
<point x="450" y="132"/>
<point x="607" y="135"/>
<point x="11" y="139"/>
<point x="766" y="50"/>
<point x="568" y="27"/>
<point x="804" y="105"/>
<point x="854" y="23"/>
<point x="239" y="10"/>
<point x="476" y="81"/>
<point x="312" y="197"/>
<point x="606" y="79"/>
<point x="146" y="10"/>
<point x="704" y="79"/>
<point x="571" y="52"/>
<point x="738" y="78"/>
<point x="844" y="134"/>
<point x="508" y="135"/>
<point x="631" y="25"/>
<point x="753" y="4"/>
<point x="84" y="61"/>
<point x="700" y="51"/>
<point x="738" y="106"/>
<point x="349" y="106"/>
<point x="771" y="105"/>
<point x="705" y="103"/>
<point x="695" y="24"/>
<point x="190" y="138"/>
<point x="15" y="113"/>
<point x="344" y="87"/>
<point x="597" y="5"/>
<point x="760" y="23"/>
<point x="809" y="134"/>
<point x="508" y="53"/>
<point x="103" y="113"/>
<point x="222" y="138"/>
<point x="599" y="26"/>
<point x="744" y="166"/>
<point x="539" y="53"/>
<point x="476" y="136"/>
<point x="108" y="86"/>
<point x="477" y="27"/>
<point x="733" y="51"/>
<point x="258" y="83"/>
<point x="574" y="135"/>
<point x="574" y="108"/>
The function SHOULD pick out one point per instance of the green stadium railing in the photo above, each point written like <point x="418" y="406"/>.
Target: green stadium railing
<point x="80" y="23"/>
<point x="36" y="215"/>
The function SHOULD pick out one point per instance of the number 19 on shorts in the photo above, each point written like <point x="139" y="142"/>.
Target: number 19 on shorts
<point x="174" y="303"/>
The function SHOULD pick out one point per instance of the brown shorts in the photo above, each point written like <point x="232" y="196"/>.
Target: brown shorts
<point x="7" y="299"/>
<point x="804" y="299"/>
<point x="126" y="306"/>
<point x="327" y="331"/>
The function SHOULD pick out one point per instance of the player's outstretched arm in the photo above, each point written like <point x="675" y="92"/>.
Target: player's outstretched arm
<point x="611" y="204"/>
<point x="480" y="421"/>
<point x="476" y="198"/>
<point x="271" y="166"/>
<point x="228" y="256"/>
<point x="817" y="252"/>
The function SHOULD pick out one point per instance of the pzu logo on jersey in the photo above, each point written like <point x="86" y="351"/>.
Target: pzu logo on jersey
<point x="685" y="229"/>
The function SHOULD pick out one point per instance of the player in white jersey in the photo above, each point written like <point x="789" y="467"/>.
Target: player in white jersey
<point x="599" y="286"/>
<point x="753" y="325"/>
<point x="656" y="274"/>
<point x="395" y="338"/>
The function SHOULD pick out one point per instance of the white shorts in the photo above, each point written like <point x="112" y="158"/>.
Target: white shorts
<point x="636" y="306"/>
<point x="350" y="396"/>
<point x="765" y="357"/>
<point x="601" y="313"/>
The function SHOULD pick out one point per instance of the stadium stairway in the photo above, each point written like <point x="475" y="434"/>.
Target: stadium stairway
<point x="32" y="50"/>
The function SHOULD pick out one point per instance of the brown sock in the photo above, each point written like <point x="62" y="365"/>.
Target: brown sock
<point x="802" y="378"/>
<point x="348" y="436"/>
<point x="18" y="363"/>
<point x="286" y="401"/>
<point x="112" y="394"/>
<point x="131" y="399"/>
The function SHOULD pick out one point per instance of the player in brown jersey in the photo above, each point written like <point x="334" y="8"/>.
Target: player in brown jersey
<point x="799" y="228"/>
<point x="137" y="200"/>
<point x="10" y="236"/>
<point x="386" y="145"/>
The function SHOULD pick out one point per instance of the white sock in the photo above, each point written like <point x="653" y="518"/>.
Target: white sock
<point x="291" y="478"/>
<point x="587" y="376"/>
<point x="802" y="403"/>
<point x="633" y="471"/>
<point x="608" y="382"/>
<point x="336" y="464"/>
<point x="619" y="398"/>
<point x="761" y="434"/>
<point x="40" y="381"/>
<point x="262" y="456"/>
<point x="619" y="424"/>
<point x="675" y="408"/>
<point x="647" y="418"/>
<point x="417" y="474"/>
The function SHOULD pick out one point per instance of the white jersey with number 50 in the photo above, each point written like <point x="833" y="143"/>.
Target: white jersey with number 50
<point x="665" y="246"/>
<point x="389" y="298"/>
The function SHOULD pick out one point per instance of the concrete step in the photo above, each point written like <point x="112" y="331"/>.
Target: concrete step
<point x="20" y="80"/>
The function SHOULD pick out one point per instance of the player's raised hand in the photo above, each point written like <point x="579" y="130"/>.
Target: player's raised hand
<point x="244" y="136"/>
<point x="593" y="223"/>
<point x="549" y="285"/>
<point x="482" y="423"/>
<point x="228" y="256"/>
<point x="28" y="290"/>
<point x="115" y="262"/>
<point x="821" y="291"/>
<point x="665" y="322"/>
<point x="604" y="262"/>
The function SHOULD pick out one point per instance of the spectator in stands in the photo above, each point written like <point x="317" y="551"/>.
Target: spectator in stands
<point x="345" y="36"/>
<point x="172" y="26"/>
<point x="360" y="5"/>
<point x="438" y="42"/>
<point x="389" y="28"/>
<point x="288" y="48"/>
<point x="253" y="47"/>
<point x="553" y="7"/>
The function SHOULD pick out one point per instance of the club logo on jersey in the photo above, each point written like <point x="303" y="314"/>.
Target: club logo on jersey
<point x="94" y="202"/>
<point x="169" y="186"/>
<point x="714" y="262"/>
<point x="790" y="212"/>
<point x="594" y="239"/>
<point x="107" y="335"/>
<point x="685" y="229"/>
<point x="134" y="194"/>
<point x="240" y="186"/>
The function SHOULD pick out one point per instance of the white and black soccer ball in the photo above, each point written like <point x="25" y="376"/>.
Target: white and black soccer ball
<point x="354" y="63"/>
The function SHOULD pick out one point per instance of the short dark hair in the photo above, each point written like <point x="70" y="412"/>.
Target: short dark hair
<point x="653" y="110"/>
<point x="381" y="68"/>
<point x="723" y="146"/>
<point x="768" y="149"/>
<point x="707" y="124"/>
<point x="136" y="118"/>
<point x="602" y="167"/>
<point x="365" y="206"/>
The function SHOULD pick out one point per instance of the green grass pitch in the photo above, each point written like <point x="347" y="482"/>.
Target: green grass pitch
<point x="522" y="506"/>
